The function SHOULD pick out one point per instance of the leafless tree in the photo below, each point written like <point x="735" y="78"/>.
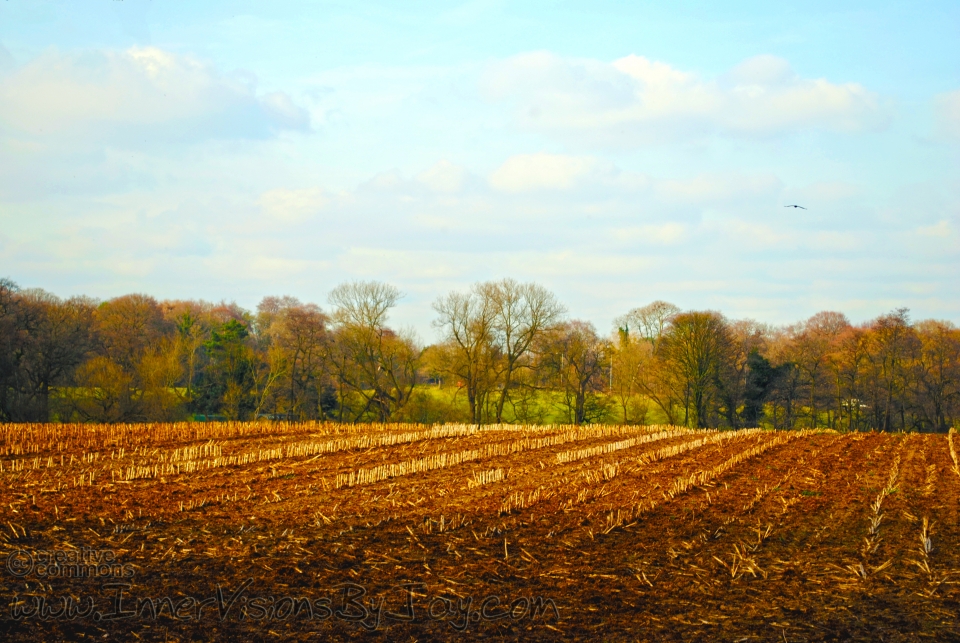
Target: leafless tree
<point x="467" y="352"/>
<point x="648" y="322"/>
<point x="520" y="313"/>
<point x="295" y="344"/>
<point x="58" y="338"/>
<point x="372" y="362"/>
<point x="696" y="347"/>
<point x="936" y="377"/>
<point x="577" y="361"/>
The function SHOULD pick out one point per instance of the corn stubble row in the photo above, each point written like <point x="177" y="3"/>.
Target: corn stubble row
<point x="18" y="439"/>
<point x="147" y="462"/>
<point x="192" y="459"/>
<point x="329" y="439"/>
<point x="22" y="439"/>
<point x="380" y="439"/>
<point x="382" y="472"/>
<point x="953" y="451"/>
<point x="142" y="461"/>
<point x="872" y="540"/>
<point x="590" y="482"/>
<point x="606" y="471"/>
<point x="682" y="484"/>
<point x="300" y="449"/>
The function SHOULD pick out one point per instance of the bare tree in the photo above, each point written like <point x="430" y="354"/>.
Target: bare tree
<point x="893" y="344"/>
<point x="648" y="322"/>
<point x="488" y="335"/>
<point x="57" y="340"/>
<point x="576" y="359"/>
<point x="295" y="342"/>
<point x="631" y="357"/>
<point x="371" y="361"/>
<point x="11" y="352"/>
<point x="520" y="313"/>
<point x="812" y="344"/>
<point x="696" y="347"/>
<point x="467" y="352"/>
<point x="127" y="326"/>
<point x="936" y="378"/>
<point x="363" y="304"/>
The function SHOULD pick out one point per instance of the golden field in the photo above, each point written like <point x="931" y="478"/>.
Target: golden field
<point x="297" y="531"/>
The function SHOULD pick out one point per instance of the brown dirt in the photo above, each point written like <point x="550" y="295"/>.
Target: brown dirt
<point x="767" y="550"/>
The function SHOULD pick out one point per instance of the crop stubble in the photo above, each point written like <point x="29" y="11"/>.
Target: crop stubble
<point x="636" y="533"/>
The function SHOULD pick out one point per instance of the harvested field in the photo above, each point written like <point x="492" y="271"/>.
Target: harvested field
<point x="275" y="531"/>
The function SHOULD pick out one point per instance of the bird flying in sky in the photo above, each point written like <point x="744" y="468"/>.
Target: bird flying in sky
<point x="795" y="206"/>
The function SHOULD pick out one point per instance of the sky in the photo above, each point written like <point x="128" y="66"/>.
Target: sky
<point x="615" y="153"/>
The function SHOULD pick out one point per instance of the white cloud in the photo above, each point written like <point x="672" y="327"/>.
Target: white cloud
<point x="634" y="100"/>
<point x="712" y="189"/>
<point x="663" y="234"/>
<point x="143" y="93"/>
<point x="7" y="63"/>
<point x="825" y="191"/>
<point x="526" y="172"/>
<point x="266" y="266"/>
<point x="941" y="229"/>
<point x="389" y="182"/>
<point x="761" y="70"/>
<point x="444" y="177"/>
<point x="943" y="236"/>
<point x="370" y="262"/>
<point x="293" y="205"/>
<point x="603" y="239"/>
<point x="947" y="108"/>
<point x="283" y="113"/>
<point x="735" y="234"/>
<point x="438" y="266"/>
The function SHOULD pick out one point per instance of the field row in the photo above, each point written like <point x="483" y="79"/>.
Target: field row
<point x="637" y="532"/>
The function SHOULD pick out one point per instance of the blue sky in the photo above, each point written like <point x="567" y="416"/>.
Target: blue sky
<point x="615" y="154"/>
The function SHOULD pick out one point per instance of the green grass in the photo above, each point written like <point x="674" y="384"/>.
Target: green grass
<point x="542" y="407"/>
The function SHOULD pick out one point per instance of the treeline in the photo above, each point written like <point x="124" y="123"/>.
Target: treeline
<point x="507" y="353"/>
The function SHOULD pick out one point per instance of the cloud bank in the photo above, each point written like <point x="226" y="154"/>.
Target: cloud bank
<point x="947" y="111"/>
<point x="635" y="101"/>
<point x="126" y="98"/>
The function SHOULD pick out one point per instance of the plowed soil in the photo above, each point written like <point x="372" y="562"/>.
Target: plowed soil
<point x="504" y="533"/>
